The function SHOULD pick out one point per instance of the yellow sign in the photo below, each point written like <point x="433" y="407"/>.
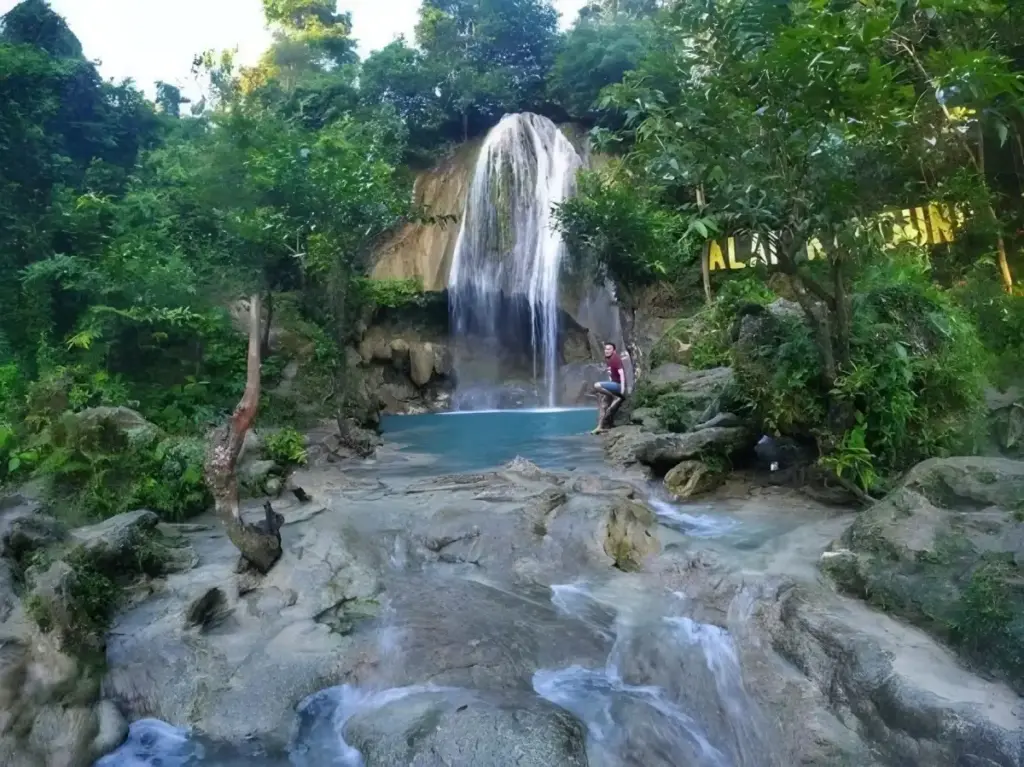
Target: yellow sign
<point x="930" y="225"/>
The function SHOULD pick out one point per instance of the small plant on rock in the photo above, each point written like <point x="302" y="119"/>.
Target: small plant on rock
<point x="286" y="447"/>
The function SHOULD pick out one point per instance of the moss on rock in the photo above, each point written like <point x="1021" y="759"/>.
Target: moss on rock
<point x="945" y="551"/>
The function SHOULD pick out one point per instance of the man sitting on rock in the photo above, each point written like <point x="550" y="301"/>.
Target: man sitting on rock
<point x="610" y="394"/>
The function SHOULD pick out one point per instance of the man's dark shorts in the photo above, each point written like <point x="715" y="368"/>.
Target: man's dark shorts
<point x="611" y="387"/>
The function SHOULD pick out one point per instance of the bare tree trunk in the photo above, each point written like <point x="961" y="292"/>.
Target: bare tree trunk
<point x="260" y="545"/>
<point x="265" y="338"/>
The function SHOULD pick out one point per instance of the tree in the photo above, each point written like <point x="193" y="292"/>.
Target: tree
<point x="260" y="545"/>
<point x="596" y="53"/>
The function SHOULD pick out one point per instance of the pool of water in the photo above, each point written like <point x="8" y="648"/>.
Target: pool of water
<point x="555" y="438"/>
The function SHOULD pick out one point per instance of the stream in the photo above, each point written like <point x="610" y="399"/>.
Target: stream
<point x="664" y="689"/>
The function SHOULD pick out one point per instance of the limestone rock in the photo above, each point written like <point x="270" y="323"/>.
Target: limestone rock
<point x="479" y="729"/>
<point x="691" y="478"/>
<point x="661" y="452"/>
<point x="646" y="417"/>
<point x="945" y="550"/>
<point x="669" y="375"/>
<point x="113" y="545"/>
<point x="26" y="528"/>
<point x="421" y="363"/>
<point x="105" y="428"/>
<point x="399" y="351"/>
<point x="628" y="537"/>
<point x="442" y="360"/>
<point x="253" y="476"/>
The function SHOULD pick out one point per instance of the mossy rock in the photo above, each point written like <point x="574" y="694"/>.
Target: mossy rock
<point x="692" y="478"/>
<point x="628" y="538"/>
<point x="945" y="550"/>
<point x="75" y="587"/>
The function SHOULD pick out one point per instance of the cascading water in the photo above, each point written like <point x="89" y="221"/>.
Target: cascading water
<point x="503" y="285"/>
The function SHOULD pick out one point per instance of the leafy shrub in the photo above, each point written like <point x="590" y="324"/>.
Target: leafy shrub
<point x="999" y="318"/>
<point x="97" y="471"/>
<point x="390" y="294"/>
<point x="286" y="447"/>
<point x="914" y="383"/>
<point x="708" y="332"/>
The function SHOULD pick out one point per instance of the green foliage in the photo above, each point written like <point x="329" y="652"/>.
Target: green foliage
<point x="914" y="382"/>
<point x="595" y="53"/>
<point x="286" y="447"/>
<point x="391" y="294"/>
<point x="617" y="230"/>
<point x="999" y="317"/>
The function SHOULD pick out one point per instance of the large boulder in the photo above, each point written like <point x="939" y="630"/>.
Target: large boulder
<point x="26" y="528"/>
<point x="421" y="363"/>
<point x="110" y="429"/>
<point x="462" y="727"/>
<point x="51" y="709"/>
<point x="628" y="540"/>
<point x="691" y="478"/>
<point x="679" y="398"/>
<point x="945" y="550"/>
<point x="662" y="452"/>
<point x="75" y="587"/>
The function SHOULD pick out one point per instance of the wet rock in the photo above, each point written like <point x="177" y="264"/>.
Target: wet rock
<point x="661" y="452"/>
<point x="442" y="360"/>
<point x="25" y="528"/>
<point x="253" y="476"/>
<point x="691" y="478"/>
<point x="919" y="705"/>
<point x="628" y="538"/>
<point x="50" y="710"/>
<point x="74" y="589"/>
<point x="669" y="375"/>
<point x="461" y="727"/>
<point x="421" y="363"/>
<point x="646" y="417"/>
<point x="577" y="381"/>
<point x="208" y="610"/>
<point x="399" y="352"/>
<point x="945" y="550"/>
<point x="244" y="675"/>
<point x="117" y="543"/>
<point x="1006" y="421"/>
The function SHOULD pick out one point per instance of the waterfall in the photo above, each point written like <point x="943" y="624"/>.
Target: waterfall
<point x="503" y="285"/>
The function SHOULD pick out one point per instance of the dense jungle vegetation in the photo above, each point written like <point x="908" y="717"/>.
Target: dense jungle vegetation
<point x="129" y="228"/>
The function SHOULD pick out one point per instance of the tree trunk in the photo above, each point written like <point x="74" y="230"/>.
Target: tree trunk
<point x="265" y="337"/>
<point x="1001" y="260"/>
<point x="842" y="311"/>
<point x="260" y="545"/>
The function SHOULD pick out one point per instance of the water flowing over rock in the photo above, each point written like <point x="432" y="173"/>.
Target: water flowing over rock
<point x="503" y="287"/>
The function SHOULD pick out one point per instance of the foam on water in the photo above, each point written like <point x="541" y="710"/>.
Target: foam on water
<point x="645" y="723"/>
<point x="152" y="743"/>
<point x="695" y="525"/>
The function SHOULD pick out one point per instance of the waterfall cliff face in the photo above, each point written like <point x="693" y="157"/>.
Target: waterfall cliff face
<point x="503" y="284"/>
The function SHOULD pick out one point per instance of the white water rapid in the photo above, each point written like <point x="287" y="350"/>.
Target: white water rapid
<point x="503" y="285"/>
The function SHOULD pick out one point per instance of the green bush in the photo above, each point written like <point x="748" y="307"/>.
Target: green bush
<point x="914" y="383"/>
<point x="286" y="447"/>
<point x="708" y="331"/>
<point x="98" y="472"/>
<point x="390" y="294"/>
<point x="999" y="317"/>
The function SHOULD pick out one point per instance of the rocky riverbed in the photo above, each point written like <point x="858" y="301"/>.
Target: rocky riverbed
<point x="523" y="616"/>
